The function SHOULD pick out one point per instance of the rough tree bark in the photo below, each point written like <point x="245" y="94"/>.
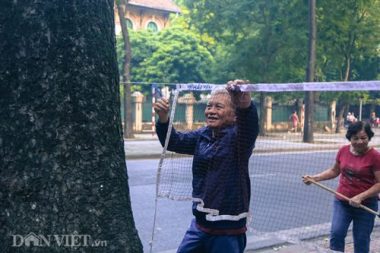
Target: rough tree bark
<point x="125" y="72"/>
<point x="62" y="165"/>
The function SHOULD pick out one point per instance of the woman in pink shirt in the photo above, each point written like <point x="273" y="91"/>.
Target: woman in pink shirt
<point x="294" y="120"/>
<point x="358" y="166"/>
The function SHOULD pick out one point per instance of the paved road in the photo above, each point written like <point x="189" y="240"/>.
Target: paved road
<point x="281" y="202"/>
<point x="284" y="209"/>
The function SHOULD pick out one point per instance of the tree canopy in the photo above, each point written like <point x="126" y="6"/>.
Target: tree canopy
<point x="174" y="55"/>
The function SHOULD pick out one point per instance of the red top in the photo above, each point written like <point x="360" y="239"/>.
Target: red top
<point x="357" y="171"/>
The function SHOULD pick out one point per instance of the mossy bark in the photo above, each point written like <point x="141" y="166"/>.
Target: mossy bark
<point x="62" y="165"/>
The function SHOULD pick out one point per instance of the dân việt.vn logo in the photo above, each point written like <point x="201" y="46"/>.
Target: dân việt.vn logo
<point x="64" y="240"/>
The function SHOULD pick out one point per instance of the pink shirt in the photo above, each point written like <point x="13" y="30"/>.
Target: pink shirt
<point x="357" y="172"/>
<point x="294" y="119"/>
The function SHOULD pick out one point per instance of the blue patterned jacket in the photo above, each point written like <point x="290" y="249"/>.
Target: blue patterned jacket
<point x="221" y="183"/>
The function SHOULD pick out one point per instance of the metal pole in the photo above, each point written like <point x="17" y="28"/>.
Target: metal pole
<point x="360" y="108"/>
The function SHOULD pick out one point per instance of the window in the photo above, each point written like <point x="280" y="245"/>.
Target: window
<point x="129" y="24"/>
<point x="152" y="27"/>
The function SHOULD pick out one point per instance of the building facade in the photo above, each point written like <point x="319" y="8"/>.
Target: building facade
<point x="150" y="15"/>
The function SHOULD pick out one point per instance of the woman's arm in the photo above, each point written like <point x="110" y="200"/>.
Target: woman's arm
<point x="330" y="173"/>
<point x="371" y="192"/>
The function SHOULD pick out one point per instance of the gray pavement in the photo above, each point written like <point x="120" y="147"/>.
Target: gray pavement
<point x="147" y="146"/>
<point x="318" y="245"/>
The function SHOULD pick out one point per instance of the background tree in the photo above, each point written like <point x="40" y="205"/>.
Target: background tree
<point x="62" y="166"/>
<point x="179" y="57"/>
<point x="349" y="35"/>
<point x="310" y="74"/>
<point x="261" y="41"/>
<point x="267" y="45"/>
<point x="265" y="41"/>
<point x="174" y="55"/>
<point x="349" y="31"/>
<point x="125" y="70"/>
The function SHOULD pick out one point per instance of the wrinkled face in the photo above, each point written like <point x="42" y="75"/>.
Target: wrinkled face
<point x="219" y="111"/>
<point x="360" y="141"/>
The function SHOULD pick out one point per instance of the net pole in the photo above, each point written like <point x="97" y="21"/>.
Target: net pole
<point x="163" y="154"/>
<point x="153" y="113"/>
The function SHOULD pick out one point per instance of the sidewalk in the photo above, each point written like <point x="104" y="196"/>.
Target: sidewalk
<point x="322" y="243"/>
<point x="147" y="146"/>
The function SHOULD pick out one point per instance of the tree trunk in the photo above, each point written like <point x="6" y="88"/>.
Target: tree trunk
<point x="125" y="75"/>
<point x="309" y="96"/>
<point x="62" y="166"/>
<point x="348" y="69"/>
<point x="263" y="115"/>
<point x="342" y="110"/>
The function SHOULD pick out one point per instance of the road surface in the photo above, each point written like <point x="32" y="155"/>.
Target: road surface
<point x="280" y="201"/>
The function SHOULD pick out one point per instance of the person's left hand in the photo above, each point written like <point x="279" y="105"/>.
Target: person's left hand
<point x="307" y="179"/>
<point x="355" y="201"/>
<point x="240" y="99"/>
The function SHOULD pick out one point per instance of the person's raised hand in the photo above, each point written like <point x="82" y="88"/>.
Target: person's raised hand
<point x="239" y="98"/>
<point x="161" y="107"/>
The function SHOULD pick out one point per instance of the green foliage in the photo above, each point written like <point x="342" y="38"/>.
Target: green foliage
<point x="264" y="41"/>
<point x="179" y="57"/>
<point x="174" y="55"/>
<point x="348" y="38"/>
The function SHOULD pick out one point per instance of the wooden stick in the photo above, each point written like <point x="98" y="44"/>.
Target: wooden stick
<point x="342" y="196"/>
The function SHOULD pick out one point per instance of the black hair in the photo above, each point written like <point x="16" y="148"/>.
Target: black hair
<point x="358" y="126"/>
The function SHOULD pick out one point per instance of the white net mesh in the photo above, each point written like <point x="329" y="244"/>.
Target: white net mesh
<point x="283" y="208"/>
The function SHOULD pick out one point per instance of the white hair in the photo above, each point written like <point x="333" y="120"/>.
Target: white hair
<point x="223" y="92"/>
<point x="220" y="91"/>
